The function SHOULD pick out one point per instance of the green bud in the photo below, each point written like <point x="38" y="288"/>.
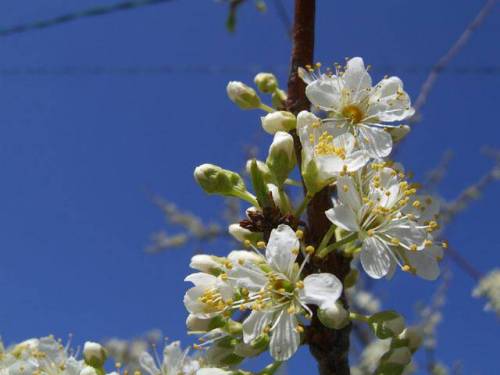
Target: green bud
<point x="259" y="185"/>
<point x="387" y="324"/>
<point x="411" y="337"/>
<point x="281" y="159"/>
<point x="351" y="278"/>
<point x="266" y="82"/>
<point x="333" y="316"/>
<point x="310" y="173"/>
<point x="94" y="354"/>
<point x="215" y="180"/>
<point x="398" y="356"/>
<point x="278" y="99"/>
<point x="242" y="95"/>
<point x="262" y="167"/>
<point x="278" y="121"/>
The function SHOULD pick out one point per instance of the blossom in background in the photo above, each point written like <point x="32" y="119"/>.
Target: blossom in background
<point x="175" y="361"/>
<point x="276" y="295"/>
<point x="354" y="106"/>
<point x="332" y="153"/>
<point x="45" y="356"/>
<point x="489" y="288"/>
<point x="372" y="205"/>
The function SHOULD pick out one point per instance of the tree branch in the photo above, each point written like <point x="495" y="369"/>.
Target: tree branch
<point x="329" y="347"/>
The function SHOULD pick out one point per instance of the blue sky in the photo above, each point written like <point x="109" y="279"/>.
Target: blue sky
<point x="79" y="151"/>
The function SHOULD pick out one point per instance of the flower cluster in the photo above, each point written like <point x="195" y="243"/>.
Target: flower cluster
<point x="264" y="296"/>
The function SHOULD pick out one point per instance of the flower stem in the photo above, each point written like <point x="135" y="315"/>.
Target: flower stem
<point x="300" y="210"/>
<point x="285" y="202"/>
<point x="270" y="369"/>
<point x="327" y="237"/>
<point x="247" y="196"/>
<point x="266" y="108"/>
<point x="327" y="250"/>
<point x="358" y="317"/>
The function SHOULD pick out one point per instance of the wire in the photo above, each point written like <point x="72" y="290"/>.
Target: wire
<point x="86" y="13"/>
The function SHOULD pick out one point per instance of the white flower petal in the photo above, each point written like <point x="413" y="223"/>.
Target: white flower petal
<point x="173" y="357"/>
<point x="148" y="364"/>
<point x="254" y="325"/>
<point x="356" y="160"/>
<point x="285" y="340"/>
<point x="324" y="93"/>
<point x="305" y="121"/>
<point x="248" y="276"/>
<point x="425" y="264"/>
<point x="357" y="79"/>
<point x="201" y="278"/>
<point x="212" y="371"/>
<point x="280" y="250"/>
<point x="343" y="217"/>
<point x="375" y="257"/>
<point x="321" y="289"/>
<point x="389" y="102"/>
<point x="376" y="141"/>
<point x="348" y="193"/>
<point x="345" y="141"/>
<point x="407" y="232"/>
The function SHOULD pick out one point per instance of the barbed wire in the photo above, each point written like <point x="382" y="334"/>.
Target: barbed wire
<point x="95" y="11"/>
<point x="75" y="70"/>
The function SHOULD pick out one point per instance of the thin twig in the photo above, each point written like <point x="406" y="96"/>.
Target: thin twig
<point x="450" y="54"/>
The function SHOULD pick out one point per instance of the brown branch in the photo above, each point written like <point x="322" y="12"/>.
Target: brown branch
<point x="450" y="54"/>
<point x="329" y="347"/>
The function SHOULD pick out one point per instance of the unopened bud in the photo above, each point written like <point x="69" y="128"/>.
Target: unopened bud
<point x="242" y="95"/>
<point x="262" y="167"/>
<point x="281" y="159"/>
<point x="333" y="315"/>
<point x="215" y="180"/>
<point x="94" y="354"/>
<point x="261" y="342"/>
<point x="242" y="234"/>
<point x="242" y="256"/>
<point x="411" y="337"/>
<point x="387" y="324"/>
<point x="195" y="324"/>
<point x="278" y="121"/>
<point x="205" y="263"/>
<point x="398" y="356"/>
<point x="266" y="82"/>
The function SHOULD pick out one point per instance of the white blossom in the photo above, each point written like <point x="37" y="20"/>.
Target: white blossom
<point x="489" y="287"/>
<point x="332" y="152"/>
<point x="276" y="294"/>
<point x="354" y="106"/>
<point x="372" y="205"/>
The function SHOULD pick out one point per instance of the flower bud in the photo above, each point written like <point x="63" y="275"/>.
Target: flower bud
<point x="333" y="315"/>
<point x="281" y="159"/>
<point x="278" y="121"/>
<point x="411" y="337"/>
<point x="261" y="342"/>
<point x="94" y="354"/>
<point x="266" y="82"/>
<point x="215" y="180"/>
<point x="242" y="95"/>
<point x="398" y="356"/>
<point x="238" y="256"/>
<point x="387" y="324"/>
<point x="205" y="263"/>
<point x="262" y="167"/>
<point x="242" y="234"/>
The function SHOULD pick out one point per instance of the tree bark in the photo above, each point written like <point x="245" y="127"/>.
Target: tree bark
<point x="329" y="347"/>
